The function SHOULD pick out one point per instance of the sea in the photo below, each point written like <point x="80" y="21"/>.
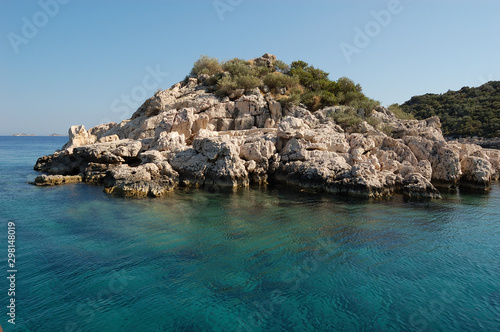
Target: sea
<point x="258" y="259"/>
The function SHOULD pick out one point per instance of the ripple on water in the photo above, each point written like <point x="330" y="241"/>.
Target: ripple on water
<point x="266" y="259"/>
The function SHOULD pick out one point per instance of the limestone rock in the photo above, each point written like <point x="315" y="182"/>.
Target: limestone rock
<point x="429" y="129"/>
<point x="266" y="60"/>
<point x="292" y="127"/>
<point x="157" y="103"/>
<point x="61" y="163"/>
<point x="115" y="152"/>
<point x="477" y="170"/>
<point x="258" y="149"/>
<point x="78" y="136"/>
<point x="294" y="150"/>
<point x="417" y="186"/>
<point x="191" y="167"/>
<point x="326" y="137"/>
<point x="444" y="159"/>
<point x="363" y="180"/>
<point x="215" y="147"/>
<point x="275" y="110"/>
<point x="320" y="170"/>
<point x="95" y="172"/>
<point x="183" y="121"/>
<point x="53" y="180"/>
<point x="140" y="181"/>
<point x="399" y="151"/>
<point x="107" y="139"/>
<point x="170" y="141"/>
<point x="493" y="156"/>
<point x="100" y="131"/>
<point x="188" y="136"/>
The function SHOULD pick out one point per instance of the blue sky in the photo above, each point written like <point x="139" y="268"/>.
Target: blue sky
<point x="65" y="62"/>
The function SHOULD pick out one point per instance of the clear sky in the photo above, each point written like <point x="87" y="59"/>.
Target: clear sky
<point x="65" y="62"/>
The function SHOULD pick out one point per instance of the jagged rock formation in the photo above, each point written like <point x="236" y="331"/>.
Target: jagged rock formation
<point x="186" y="136"/>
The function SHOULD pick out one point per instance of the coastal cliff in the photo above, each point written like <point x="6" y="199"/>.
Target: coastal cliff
<point x="190" y="136"/>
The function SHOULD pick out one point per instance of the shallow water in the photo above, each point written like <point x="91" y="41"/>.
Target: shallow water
<point x="269" y="259"/>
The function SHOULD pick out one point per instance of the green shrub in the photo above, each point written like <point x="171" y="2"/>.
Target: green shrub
<point x="364" y="103"/>
<point x="328" y="99"/>
<point x="260" y="71"/>
<point x="214" y="79"/>
<point x="278" y="80"/>
<point x="346" y="85"/>
<point x="340" y="98"/>
<point x="315" y="100"/>
<point x="386" y="129"/>
<point x="247" y="82"/>
<point x="347" y="119"/>
<point x="374" y="122"/>
<point x="399" y="113"/>
<point x="291" y="100"/>
<point x="324" y="85"/>
<point x="226" y="86"/>
<point x="237" y="67"/>
<point x="311" y="100"/>
<point x="351" y="97"/>
<point x="281" y="67"/>
<point x="304" y="83"/>
<point x="470" y="111"/>
<point x="206" y="65"/>
<point x="307" y="75"/>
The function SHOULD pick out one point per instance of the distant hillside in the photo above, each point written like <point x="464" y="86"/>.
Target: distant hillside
<point x="466" y="112"/>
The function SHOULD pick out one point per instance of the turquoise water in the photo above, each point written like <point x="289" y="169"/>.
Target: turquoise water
<point x="271" y="259"/>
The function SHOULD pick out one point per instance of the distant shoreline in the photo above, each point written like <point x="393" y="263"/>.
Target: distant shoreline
<point x="487" y="143"/>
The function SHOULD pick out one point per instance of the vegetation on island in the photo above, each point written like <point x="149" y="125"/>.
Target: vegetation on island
<point x="297" y="83"/>
<point x="467" y="112"/>
<point x="463" y="113"/>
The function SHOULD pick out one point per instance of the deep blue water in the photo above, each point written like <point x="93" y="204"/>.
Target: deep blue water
<point x="271" y="259"/>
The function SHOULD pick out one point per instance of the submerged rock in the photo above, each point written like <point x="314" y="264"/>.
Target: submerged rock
<point x="186" y="136"/>
<point x="53" y="180"/>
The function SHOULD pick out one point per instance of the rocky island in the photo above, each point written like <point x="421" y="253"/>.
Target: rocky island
<point x="220" y="127"/>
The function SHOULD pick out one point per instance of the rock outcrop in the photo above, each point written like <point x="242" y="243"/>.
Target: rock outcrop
<point x="54" y="180"/>
<point x="186" y="136"/>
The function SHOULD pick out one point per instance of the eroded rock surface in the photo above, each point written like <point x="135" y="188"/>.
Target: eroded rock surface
<point x="186" y="136"/>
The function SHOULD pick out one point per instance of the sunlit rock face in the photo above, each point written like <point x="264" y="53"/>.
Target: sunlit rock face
<point x="187" y="136"/>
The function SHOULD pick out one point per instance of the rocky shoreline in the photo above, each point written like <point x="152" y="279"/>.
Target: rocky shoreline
<point x="187" y="136"/>
<point x="487" y="143"/>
